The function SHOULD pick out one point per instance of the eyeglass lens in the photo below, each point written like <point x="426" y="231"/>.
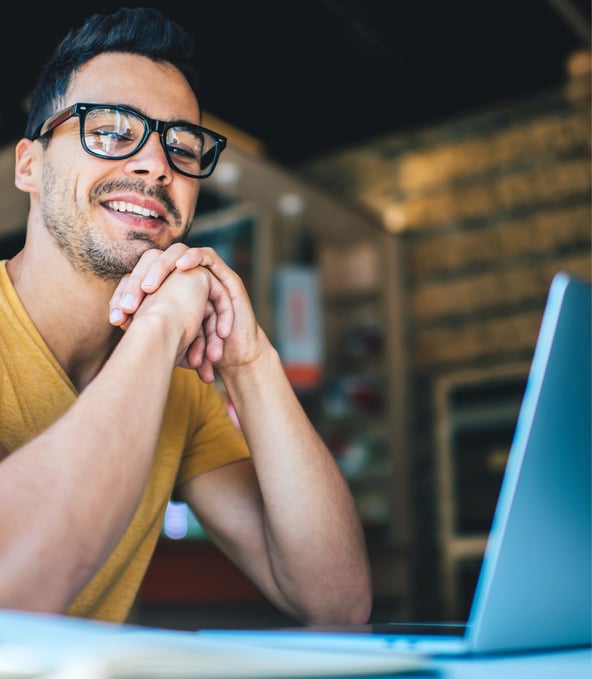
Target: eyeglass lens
<point x="112" y="133"/>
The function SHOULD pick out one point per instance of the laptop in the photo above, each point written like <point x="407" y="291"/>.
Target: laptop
<point x="534" y="589"/>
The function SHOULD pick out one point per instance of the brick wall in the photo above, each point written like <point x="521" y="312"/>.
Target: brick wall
<point x="486" y="208"/>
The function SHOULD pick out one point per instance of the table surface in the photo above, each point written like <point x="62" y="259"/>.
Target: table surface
<point x="38" y="645"/>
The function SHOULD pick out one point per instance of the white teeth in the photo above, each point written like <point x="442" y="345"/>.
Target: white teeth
<point x="122" y="206"/>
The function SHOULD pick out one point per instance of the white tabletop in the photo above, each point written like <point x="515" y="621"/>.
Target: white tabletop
<point x="57" y="647"/>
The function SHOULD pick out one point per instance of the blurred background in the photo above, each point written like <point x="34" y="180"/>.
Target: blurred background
<point x="402" y="181"/>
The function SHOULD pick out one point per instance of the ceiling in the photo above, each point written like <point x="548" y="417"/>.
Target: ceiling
<point x="307" y="77"/>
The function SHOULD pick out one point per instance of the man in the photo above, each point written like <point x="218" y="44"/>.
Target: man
<point x="111" y="331"/>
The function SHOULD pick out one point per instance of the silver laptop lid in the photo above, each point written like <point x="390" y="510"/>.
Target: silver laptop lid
<point x="534" y="590"/>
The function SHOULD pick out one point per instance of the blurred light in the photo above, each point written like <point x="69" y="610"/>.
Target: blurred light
<point x="227" y="173"/>
<point x="176" y="521"/>
<point x="290" y="204"/>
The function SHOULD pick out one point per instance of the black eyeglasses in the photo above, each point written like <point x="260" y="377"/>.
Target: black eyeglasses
<point x="117" y="132"/>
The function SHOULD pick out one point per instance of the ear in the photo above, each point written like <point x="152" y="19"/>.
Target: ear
<point x="26" y="157"/>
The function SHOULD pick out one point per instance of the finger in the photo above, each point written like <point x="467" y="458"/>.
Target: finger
<point x="196" y="351"/>
<point x="207" y="348"/>
<point x="116" y="315"/>
<point x="214" y="343"/>
<point x="131" y="294"/>
<point x="209" y="258"/>
<point x="160" y="267"/>
<point x="207" y="345"/>
<point x="220" y="295"/>
<point x="195" y="358"/>
<point x="219" y="298"/>
<point x="206" y="372"/>
<point x="193" y="257"/>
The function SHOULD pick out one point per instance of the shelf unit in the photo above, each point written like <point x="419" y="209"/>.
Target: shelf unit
<point x="362" y="407"/>
<point x="476" y="412"/>
<point x="352" y="412"/>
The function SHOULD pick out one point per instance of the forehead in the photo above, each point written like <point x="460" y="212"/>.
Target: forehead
<point x="157" y="89"/>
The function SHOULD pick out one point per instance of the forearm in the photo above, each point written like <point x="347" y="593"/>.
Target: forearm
<point x="67" y="495"/>
<point x="291" y="524"/>
<point x="314" y="539"/>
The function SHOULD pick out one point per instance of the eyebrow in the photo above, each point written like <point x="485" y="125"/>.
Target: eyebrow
<point x="180" y="121"/>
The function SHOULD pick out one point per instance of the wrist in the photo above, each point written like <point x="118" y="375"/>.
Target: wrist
<point x="251" y="376"/>
<point x="153" y="331"/>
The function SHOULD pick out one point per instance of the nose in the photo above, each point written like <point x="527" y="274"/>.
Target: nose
<point x="151" y="160"/>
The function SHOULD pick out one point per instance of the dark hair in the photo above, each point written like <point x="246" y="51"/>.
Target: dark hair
<point x="144" y="31"/>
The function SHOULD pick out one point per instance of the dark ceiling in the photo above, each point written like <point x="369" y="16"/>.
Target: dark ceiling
<point x="310" y="76"/>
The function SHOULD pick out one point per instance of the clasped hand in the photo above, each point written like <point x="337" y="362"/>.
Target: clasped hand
<point x="213" y="312"/>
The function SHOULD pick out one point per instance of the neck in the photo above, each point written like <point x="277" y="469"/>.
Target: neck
<point x="69" y="309"/>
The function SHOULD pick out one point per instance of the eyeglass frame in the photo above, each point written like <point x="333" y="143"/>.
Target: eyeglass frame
<point x="161" y="127"/>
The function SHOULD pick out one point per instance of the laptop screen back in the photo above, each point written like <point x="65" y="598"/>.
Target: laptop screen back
<point x="534" y="589"/>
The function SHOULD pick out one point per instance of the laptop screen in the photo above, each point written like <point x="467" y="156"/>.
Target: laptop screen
<point x="534" y="590"/>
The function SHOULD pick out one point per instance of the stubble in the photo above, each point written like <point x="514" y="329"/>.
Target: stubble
<point x="84" y="245"/>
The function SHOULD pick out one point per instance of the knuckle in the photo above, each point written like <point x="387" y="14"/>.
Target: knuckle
<point x="202" y="275"/>
<point x="150" y="255"/>
<point x="134" y="280"/>
<point x="175" y="250"/>
<point x="160" y="267"/>
<point x="206" y="250"/>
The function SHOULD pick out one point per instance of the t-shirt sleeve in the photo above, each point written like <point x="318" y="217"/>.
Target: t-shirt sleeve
<point x="214" y="439"/>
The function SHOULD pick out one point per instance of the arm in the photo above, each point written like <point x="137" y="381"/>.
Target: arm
<point x="67" y="496"/>
<point x="287" y="518"/>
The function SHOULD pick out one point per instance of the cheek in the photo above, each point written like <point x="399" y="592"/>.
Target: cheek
<point x="185" y="198"/>
<point x="59" y="176"/>
<point x="193" y="203"/>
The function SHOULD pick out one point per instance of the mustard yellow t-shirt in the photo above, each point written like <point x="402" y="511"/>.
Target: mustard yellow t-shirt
<point x="197" y="435"/>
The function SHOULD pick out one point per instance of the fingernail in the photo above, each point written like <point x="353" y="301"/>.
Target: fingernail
<point x="115" y="315"/>
<point x="149" y="281"/>
<point x="128" y="301"/>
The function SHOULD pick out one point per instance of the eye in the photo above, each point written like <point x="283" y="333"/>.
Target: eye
<point x="182" y="151"/>
<point x="112" y="131"/>
<point x="115" y="135"/>
<point x="185" y="145"/>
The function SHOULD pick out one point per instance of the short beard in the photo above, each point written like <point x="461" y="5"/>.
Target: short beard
<point x="106" y="263"/>
<point x="83" y="246"/>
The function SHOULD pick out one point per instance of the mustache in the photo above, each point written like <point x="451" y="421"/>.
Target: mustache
<point x="137" y="186"/>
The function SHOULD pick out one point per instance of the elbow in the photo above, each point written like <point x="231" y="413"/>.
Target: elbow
<point x="349" y="605"/>
<point x="357" y="596"/>
<point x="355" y="612"/>
<point x="357" y="606"/>
<point x="360" y="614"/>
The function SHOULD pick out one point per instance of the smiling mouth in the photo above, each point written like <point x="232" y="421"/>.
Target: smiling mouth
<point x="130" y="208"/>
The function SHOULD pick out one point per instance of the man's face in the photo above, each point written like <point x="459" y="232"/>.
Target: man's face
<point x="104" y="214"/>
